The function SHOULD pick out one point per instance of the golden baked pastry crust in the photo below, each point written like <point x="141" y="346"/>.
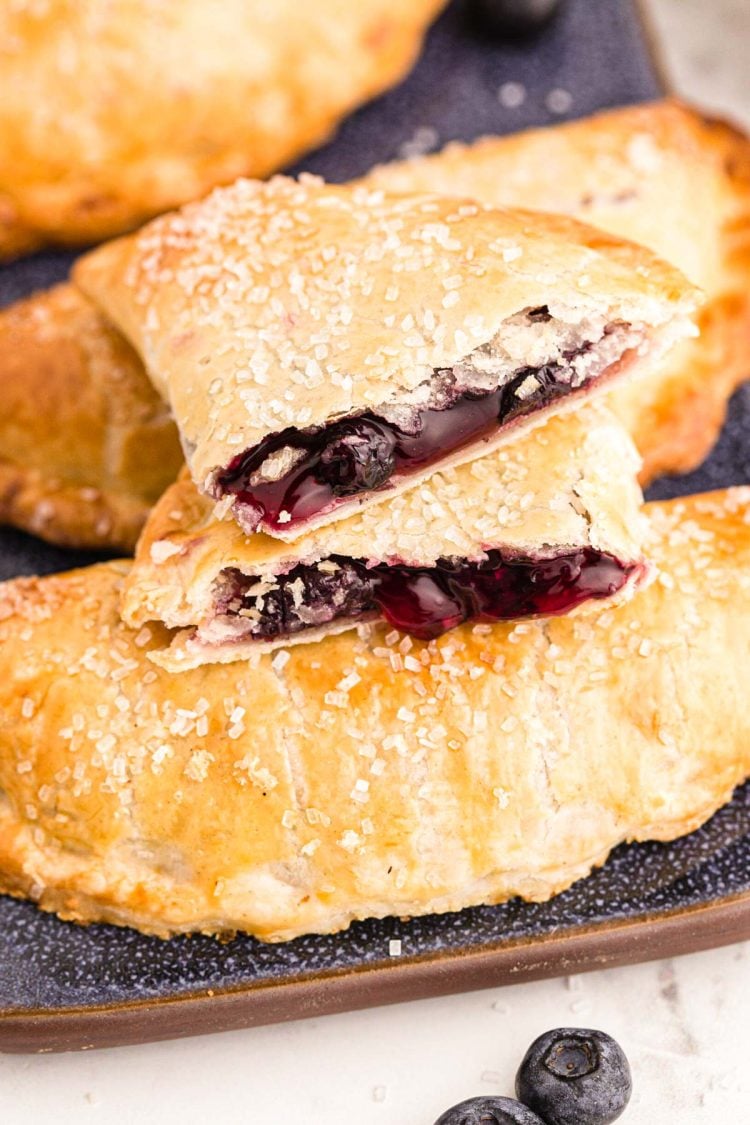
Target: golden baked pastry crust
<point x="86" y="445"/>
<point x="293" y="304"/>
<point x="110" y="114"/>
<point x="662" y="175"/>
<point x="367" y="775"/>
<point x="567" y="485"/>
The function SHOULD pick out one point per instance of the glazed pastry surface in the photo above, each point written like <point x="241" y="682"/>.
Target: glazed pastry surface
<point x="567" y="486"/>
<point x="169" y="99"/>
<point x="367" y="775"/>
<point x="86" y="444"/>
<point x="283" y="309"/>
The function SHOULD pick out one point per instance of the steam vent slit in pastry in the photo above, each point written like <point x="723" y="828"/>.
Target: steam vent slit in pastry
<point x="324" y="346"/>
<point x="541" y="526"/>
<point x="370" y="774"/>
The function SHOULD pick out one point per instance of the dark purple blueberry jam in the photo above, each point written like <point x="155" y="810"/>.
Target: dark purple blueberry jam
<point x="363" y="452"/>
<point x="290" y="607"/>
<point x="427" y="601"/>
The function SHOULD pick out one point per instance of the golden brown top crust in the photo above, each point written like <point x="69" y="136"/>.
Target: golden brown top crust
<point x="662" y="175"/>
<point x="647" y="173"/>
<point x="369" y="774"/>
<point x="111" y="113"/>
<point x="565" y="485"/>
<point x="86" y="445"/>
<point x="291" y="303"/>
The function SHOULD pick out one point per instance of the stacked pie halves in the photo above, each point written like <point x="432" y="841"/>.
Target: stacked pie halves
<point x="397" y="452"/>
<point x="383" y="402"/>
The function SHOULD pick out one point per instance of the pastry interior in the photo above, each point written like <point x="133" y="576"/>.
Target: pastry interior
<point x="535" y="360"/>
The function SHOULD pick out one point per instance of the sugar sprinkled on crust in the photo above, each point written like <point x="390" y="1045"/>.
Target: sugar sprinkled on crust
<point x="264" y="306"/>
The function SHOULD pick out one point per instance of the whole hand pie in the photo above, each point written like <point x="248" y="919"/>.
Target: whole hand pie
<point x="113" y="112"/>
<point x="322" y="346"/>
<point x="548" y="523"/>
<point x="369" y="774"/>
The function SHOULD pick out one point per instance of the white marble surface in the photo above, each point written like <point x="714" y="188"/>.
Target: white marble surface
<point x="706" y="49"/>
<point x="684" y="1023"/>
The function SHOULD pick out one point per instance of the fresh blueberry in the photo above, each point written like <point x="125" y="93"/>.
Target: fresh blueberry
<point x="489" y="1111"/>
<point x="573" y="1076"/>
<point x="359" y="456"/>
<point x="515" y="17"/>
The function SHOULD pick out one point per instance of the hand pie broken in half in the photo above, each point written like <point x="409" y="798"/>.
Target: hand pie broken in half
<point x="321" y="345"/>
<point x="541" y="526"/>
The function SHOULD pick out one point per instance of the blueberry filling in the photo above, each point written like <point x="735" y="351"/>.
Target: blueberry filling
<point x="362" y="453"/>
<point x="295" y="475"/>
<point x="423" y="601"/>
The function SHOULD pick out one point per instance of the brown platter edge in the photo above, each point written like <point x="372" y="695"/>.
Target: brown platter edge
<point x="585" y="949"/>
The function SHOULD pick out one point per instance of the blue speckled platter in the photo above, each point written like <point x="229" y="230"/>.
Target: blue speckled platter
<point x="63" y="987"/>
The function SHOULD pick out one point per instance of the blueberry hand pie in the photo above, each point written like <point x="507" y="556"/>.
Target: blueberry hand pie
<point x="541" y="526"/>
<point x="324" y="346"/>
<point x="370" y="774"/>
<point x="112" y="112"/>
